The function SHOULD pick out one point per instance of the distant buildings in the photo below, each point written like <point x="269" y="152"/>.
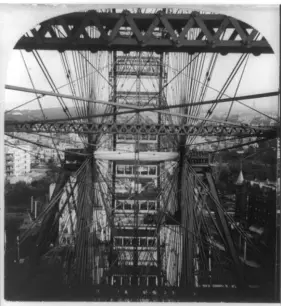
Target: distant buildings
<point x="17" y="160"/>
<point x="54" y="153"/>
<point x="261" y="206"/>
<point x="255" y="202"/>
<point x="256" y="210"/>
<point x="48" y="148"/>
<point x="46" y="154"/>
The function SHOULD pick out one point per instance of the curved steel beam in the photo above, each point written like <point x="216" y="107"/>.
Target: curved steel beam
<point x="160" y="32"/>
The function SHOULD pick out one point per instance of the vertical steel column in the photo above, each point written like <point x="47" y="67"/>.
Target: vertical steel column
<point x="114" y="97"/>
<point x="160" y="102"/>
<point x="84" y="219"/>
<point x="137" y="164"/>
<point x="185" y="206"/>
<point x="187" y="221"/>
<point x="87" y="212"/>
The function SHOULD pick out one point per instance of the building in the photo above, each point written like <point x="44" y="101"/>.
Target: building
<point x="17" y="160"/>
<point x="256" y="208"/>
<point x="255" y="202"/>
<point x="55" y="154"/>
<point x="47" y="154"/>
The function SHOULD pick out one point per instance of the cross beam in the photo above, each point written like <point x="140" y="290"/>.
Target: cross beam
<point x="158" y="32"/>
<point x="151" y="129"/>
<point x="133" y="65"/>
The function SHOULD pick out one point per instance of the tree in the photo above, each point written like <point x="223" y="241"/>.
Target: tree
<point x="8" y="186"/>
<point x="224" y="173"/>
<point x="225" y="179"/>
<point x="51" y="161"/>
<point x="18" y="195"/>
<point x="53" y="172"/>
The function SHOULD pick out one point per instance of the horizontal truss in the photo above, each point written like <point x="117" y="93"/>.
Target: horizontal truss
<point x="135" y="66"/>
<point x="158" y="32"/>
<point x="151" y="129"/>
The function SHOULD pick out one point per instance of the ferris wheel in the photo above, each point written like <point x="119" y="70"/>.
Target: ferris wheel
<point x="147" y="98"/>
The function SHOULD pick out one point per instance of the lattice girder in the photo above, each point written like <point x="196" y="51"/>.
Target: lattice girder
<point x="160" y="32"/>
<point x="147" y="129"/>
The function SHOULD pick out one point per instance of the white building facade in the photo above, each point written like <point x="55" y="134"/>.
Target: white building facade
<point x="18" y="160"/>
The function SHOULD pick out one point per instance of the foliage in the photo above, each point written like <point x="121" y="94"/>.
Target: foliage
<point x="19" y="194"/>
<point x="258" y="163"/>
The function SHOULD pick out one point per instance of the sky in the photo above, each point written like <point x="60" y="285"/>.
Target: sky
<point x="261" y="75"/>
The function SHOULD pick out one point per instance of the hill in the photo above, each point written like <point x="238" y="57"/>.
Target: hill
<point x="36" y="114"/>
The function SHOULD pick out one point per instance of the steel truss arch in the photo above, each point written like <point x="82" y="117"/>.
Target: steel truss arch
<point x="142" y="32"/>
